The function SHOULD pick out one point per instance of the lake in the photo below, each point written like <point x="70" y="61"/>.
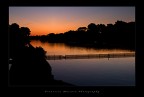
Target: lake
<point x="90" y="72"/>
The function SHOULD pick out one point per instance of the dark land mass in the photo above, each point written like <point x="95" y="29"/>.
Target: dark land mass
<point x="28" y="64"/>
<point x="118" y="35"/>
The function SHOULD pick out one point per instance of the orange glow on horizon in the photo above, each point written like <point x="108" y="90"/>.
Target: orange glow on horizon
<point x="45" y="20"/>
<point x="45" y="28"/>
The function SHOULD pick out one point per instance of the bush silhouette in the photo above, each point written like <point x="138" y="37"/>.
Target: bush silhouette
<point x="29" y="65"/>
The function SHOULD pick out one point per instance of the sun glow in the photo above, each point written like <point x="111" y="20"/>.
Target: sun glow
<point x="45" y="20"/>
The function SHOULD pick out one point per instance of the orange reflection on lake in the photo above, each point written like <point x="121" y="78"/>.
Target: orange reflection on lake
<point x="63" y="49"/>
<point x="90" y="72"/>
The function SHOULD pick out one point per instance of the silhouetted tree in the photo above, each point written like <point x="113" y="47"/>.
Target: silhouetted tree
<point x="84" y="29"/>
<point x="93" y="34"/>
<point x="28" y="63"/>
<point x="25" y="32"/>
<point x="92" y="28"/>
<point x="109" y="34"/>
<point x="40" y="52"/>
<point x="120" y="34"/>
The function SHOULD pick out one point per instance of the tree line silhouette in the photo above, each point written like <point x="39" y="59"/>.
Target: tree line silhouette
<point x="28" y="64"/>
<point x="121" y="34"/>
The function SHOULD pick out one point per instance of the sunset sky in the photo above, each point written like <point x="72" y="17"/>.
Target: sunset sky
<point x="44" y="20"/>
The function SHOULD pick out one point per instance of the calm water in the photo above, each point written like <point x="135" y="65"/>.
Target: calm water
<point x="90" y="72"/>
<point x="62" y="49"/>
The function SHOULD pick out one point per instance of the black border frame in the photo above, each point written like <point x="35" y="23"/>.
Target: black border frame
<point x="128" y="91"/>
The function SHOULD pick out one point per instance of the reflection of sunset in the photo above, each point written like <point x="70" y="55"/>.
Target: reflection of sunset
<point x="62" y="49"/>
<point x="45" y="20"/>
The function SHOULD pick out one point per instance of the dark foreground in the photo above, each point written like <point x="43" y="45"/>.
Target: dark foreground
<point x="28" y="64"/>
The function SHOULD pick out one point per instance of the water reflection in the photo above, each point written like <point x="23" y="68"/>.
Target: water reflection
<point x="62" y="49"/>
<point x="90" y="72"/>
<point x="96" y="72"/>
